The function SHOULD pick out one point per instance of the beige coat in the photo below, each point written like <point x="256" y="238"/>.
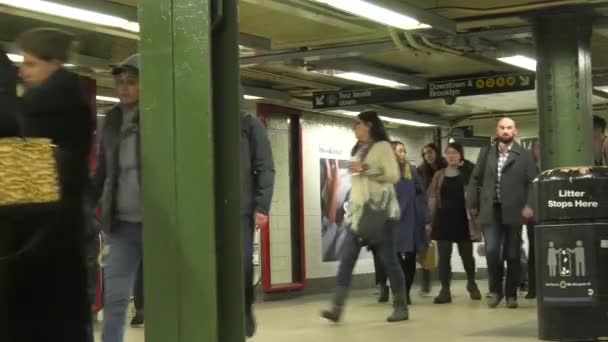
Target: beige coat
<point x="381" y="172"/>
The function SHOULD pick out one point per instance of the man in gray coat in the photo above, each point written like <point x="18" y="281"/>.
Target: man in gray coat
<point x="501" y="195"/>
<point x="116" y="186"/>
<point x="600" y="141"/>
<point x="257" y="177"/>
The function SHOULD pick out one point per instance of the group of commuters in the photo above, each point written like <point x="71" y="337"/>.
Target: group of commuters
<point x="448" y="200"/>
<point x="46" y="285"/>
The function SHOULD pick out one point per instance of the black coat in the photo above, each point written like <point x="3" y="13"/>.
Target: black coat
<point x="8" y="97"/>
<point x="257" y="167"/>
<point x="516" y="184"/>
<point x="48" y="282"/>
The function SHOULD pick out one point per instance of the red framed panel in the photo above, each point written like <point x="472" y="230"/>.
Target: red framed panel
<point x="264" y="110"/>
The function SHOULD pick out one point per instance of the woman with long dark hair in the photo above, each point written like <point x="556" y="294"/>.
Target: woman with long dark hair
<point x="48" y="273"/>
<point x="432" y="161"/>
<point x="451" y="221"/>
<point x="374" y="169"/>
<point x="410" y="233"/>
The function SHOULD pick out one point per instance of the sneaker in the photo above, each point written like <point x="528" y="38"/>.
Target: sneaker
<point x="493" y="300"/>
<point x="512" y="303"/>
<point x="138" y="320"/>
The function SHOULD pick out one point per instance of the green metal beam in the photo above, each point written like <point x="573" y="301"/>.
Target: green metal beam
<point x="226" y="108"/>
<point x="178" y="151"/>
<point x="564" y="92"/>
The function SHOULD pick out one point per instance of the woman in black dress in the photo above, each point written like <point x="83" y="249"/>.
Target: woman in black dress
<point x="451" y="221"/>
<point x="48" y="278"/>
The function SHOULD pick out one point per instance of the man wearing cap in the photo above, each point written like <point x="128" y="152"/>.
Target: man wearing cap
<point x="116" y="187"/>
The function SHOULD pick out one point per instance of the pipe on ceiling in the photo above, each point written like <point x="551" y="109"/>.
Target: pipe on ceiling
<point x="432" y="45"/>
<point x="398" y="42"/>
<point x="521" y="8"/>
<point x="413" y="43"/>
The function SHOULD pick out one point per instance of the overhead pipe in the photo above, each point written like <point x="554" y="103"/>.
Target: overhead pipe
<point x="522" y="8"/>
<point x="430" y="44"/>
<point x="398" y="42"/>
<point x="413" y="43"/>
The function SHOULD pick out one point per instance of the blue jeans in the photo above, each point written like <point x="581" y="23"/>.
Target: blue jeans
<point x="386" y="252"/>
<point x="120" y="270"/>
<point x="503" y="243"/>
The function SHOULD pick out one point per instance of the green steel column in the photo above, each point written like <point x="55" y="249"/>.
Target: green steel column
<point x="227" y="137"/>
<point x="563" y="42"/>
<point x="178" y="145"/>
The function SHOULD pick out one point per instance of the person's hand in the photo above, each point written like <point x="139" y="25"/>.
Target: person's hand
<point x="429" y="229"/>
<point x="260" y="220"/>
<point x="356" y="167"/>
<point x="527" y="213"/>
<point x="474" y="212"/>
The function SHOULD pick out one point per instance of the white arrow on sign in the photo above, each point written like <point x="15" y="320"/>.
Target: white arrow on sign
<point x="320" y="100"/>
<point x="524" y="80"/>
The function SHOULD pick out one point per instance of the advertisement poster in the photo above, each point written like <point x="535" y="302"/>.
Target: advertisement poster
<point x="335" y="181"/>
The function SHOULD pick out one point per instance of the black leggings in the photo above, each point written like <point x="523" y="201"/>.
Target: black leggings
<point x="465" y="249"/>
<point x="408" y="265"/>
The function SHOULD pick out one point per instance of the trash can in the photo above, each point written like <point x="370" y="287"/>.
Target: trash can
<point x="571" y="241"/>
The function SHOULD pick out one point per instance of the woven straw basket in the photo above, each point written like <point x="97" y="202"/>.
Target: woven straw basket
<point x="28" y="172"/>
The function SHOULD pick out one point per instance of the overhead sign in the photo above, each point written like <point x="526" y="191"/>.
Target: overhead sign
<point x="453" y="87"/>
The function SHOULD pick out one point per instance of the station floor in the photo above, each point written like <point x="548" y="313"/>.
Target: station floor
<point x="297" y="320"/>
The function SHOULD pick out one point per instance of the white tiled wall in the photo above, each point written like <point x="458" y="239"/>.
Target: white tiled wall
<point x="280" y="213"/>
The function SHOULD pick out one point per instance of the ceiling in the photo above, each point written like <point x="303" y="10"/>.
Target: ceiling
<point x="284" y="61"/>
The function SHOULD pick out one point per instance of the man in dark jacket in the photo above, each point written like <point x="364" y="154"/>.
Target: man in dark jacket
<point x="116" y="185"/>
<point x="257" y="174"/>
<point x="501" y="194"/>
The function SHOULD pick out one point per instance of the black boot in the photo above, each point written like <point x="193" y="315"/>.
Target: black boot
<point x="445" y="297"/>
<point x="425" y="291"/>
<point x="400" y="310"/>
<point x="250" y="324"/>
<point x="473" y="290"/>
<point x="384" y="293"/>
<point x="335" y="313"/>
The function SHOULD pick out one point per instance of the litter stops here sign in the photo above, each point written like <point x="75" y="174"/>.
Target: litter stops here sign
<point x="568" y="245"/>
<point x="568" y="263"/>
<point x="436" y="89"/>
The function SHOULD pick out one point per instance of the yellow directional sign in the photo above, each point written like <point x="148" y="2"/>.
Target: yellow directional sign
<point x="490" y="83"/>
<point x="510" y="81"/>
<point x="480" y="84"/>
<point x="500" y="82"/>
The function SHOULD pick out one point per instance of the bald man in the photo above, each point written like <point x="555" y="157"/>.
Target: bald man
<point x="500" y="194"/>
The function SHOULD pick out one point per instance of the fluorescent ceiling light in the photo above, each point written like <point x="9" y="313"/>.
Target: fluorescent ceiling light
<point x="383" y="118"/>
<point x="251" y="97"/>
<point x="405" y="122"/>
<point x="107" y="99"/>
<point x="355" y="76"/>
<point x="344" y="112"/>
<point x="15" y="58"/>
<point x="375" y="13"/>
<point x="74" y="13"/>
<point x="520" y="61"/>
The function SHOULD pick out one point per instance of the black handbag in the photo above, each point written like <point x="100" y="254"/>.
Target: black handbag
<point x="380" y="208"/>
<point x="370" y="229"/>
